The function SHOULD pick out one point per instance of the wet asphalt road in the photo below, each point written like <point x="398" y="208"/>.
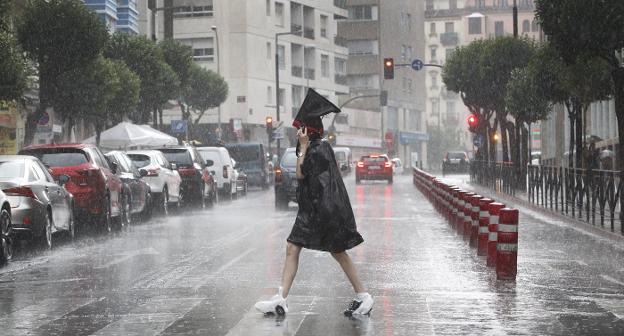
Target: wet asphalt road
<point x="199" y="272"/>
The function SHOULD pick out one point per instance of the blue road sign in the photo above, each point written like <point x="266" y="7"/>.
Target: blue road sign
<point x="477" y="140"/>
<point x="417" y="64"/>
<point x="179" y="126"/>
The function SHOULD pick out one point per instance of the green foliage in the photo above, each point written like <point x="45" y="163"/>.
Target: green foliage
<point x="126" y="97"/>
<point x="179" y="57"/>
<point x="168" y="84"/>
<point x="206" y="90"/>
<point x="525" y="99"/>
<point x="462" y="73"/>
<point x="13" y="68"/>
<point x="60" y="35"/>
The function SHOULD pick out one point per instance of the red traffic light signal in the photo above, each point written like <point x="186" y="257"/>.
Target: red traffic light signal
<point x="269" y="121"/>
<point x="473" y="120"/>
<point x="388" y="68"/>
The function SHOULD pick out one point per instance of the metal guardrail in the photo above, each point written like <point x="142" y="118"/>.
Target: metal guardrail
<point x="593" y="196"/>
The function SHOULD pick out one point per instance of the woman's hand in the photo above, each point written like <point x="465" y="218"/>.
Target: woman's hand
<point x="304" y="140"/>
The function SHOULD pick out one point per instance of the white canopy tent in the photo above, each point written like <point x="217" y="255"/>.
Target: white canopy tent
<point x="127" y="135"/>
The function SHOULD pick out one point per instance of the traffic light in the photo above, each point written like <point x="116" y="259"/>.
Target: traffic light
<point x="331" y="137"/>
<point x="269" y="127"/>
<point x="388" y="68"/>
<point x="473" y="121"/>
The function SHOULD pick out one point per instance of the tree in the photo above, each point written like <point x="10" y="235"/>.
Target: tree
<point x="13" y="68"/>
<point x="180" y="58"/>
<point x="583" y="30"/>
<point x="60" y="36"/>
<point x="206" y="90"/>
<point x="168" y="88"/>
<point x="126" y="98"/>
<point x="145" y="59"/>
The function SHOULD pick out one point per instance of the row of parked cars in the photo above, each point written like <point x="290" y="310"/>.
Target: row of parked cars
<point x="50" y="188"/>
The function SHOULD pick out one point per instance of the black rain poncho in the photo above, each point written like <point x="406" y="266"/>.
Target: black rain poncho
<point x="325" y="219"/>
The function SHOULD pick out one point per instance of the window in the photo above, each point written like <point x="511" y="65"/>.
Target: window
<point x="362" y="47"/>
<point x="432" y="29"/>
<point x="452" y="4"/>
<point x="364" y="81"/>
<point x="449" y="52"/>
<point x="499" y="28"/>
<point x="534" y="26"/>
<point x="429" y="4"/>
<point x="268" y="7"/>
<point x="203" y="54"/>
<point x="325" y="65"/>
<point x="279" y="14"/>
<point x="361" y="13"/>
<point x="406" y="21"/>
<point x="409" y="53"/>
<point x="450" y="109"/>
<point x="526" y="26"/>
<point x="449" y="27"/>
<point x="194" y="11"/>
<point x="324" y="26"/>
<point x="403" y="52"/>
<point x="281" y="57"/>
<point x="474" y="26"/>
<point x="340" y="65"/>
<point x="435" y="107"/>
<point x="434" y="54"/>
<point x="434" y="80"/>
<point x="268" y="50"/>
<point x="269" y="95"/>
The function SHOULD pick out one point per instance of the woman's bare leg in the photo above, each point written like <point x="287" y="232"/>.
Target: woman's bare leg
<point x="291" y="264"/>
<point x="349" y="268"/>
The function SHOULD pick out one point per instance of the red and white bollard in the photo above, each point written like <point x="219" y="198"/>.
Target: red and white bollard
<point x="473" y="229"/>
<point x="459" y="218"/>
<point x="494" y="210"/>
<point x="484" y="221"/>
<point x="454" y="206"/>
<point x="507" y="245"/>
<point x="467" y="221"/>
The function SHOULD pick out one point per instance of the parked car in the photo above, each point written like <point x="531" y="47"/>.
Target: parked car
<point x="344" y="159"/>
<point x="455" y="161"/>
<point x="93" y="184"/>
<point x="374" y="167"/>
<point x="162" y="177"/>
<point x="253" y="161"/>
<point x="222" y="168"/>
<point x="241" y="179"/>
<point x="39" y="206"/>
<point x="137" y="193"/>
<point x="198" y="185"/>
<point x="6" y="242"/>
<point x="286" y="179"/>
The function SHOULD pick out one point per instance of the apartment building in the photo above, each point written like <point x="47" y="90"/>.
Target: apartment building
<point x="453" y="23"/>
<point x="374" y="30"/>
<point x="119" y="15"/>
<point x="236" y="38"/>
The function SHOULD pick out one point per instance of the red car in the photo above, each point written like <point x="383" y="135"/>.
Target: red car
<point x="97" y="191"/>
<point x="373" y="167"/>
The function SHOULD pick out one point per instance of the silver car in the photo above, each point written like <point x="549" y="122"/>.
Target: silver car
<point x="39" y="206"/>
<point x="6" y="248"/>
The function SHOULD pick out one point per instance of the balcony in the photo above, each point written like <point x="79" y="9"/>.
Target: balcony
<point x="449" y="39"/>
<point x="340" y="4"/>
<point x="310" y="74"/>
<point x="297" y="71"/>
<point x="295" y="27"/>
<point x="340" y="79"/>
<point x="308" y="33"/>
<point x="340" y="41"/>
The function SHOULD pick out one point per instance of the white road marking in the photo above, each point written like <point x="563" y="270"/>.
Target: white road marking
<point x="127" y="256"/>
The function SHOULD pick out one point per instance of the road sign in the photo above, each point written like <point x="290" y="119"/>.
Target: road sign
<point x="44" y="120"/>
<point x="179" y="126"/>
<point x="278" y="135"/>
<point x="478" y="140"/>
<point x="417" y="64"/>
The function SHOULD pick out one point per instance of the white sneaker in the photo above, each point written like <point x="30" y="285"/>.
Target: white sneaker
<point x="366" y="305"/>
<point x="275" y="305"/>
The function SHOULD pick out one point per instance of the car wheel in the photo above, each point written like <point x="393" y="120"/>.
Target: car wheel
<point x="6" y="243"/>
<point x="46" y="237"/>
<point x="390" y="180"/>
<point x="72" y="223"/>
<point x="107" y="216"/>
<point x="126" y="218"/>
<point x="147" y="208"/>
<point x="281" y="203"/>
<point x="165" y="200"/>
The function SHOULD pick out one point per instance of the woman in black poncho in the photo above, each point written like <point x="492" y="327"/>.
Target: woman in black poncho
<point x="325" y="220"/>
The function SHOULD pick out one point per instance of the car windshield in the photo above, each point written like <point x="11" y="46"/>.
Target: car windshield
<point x="341" y="156"/>
<point x="289" y="159"/>
<point x="245" y="153"/>
<point x="178" y="156"/>
<point x="140" y="160"/>
<point x="11" y="169"/>
<point x="374" y="159"/>
<point x="60" y="157"/>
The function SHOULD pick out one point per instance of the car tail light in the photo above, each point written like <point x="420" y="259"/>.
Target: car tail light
<point x="20" y="191"/>
<point x="360" y="164"/>
<point x="187" y="171"/>
<point x="279" y="176"/>
<point x="388" y="164"/>
<point x="225" y="172"/>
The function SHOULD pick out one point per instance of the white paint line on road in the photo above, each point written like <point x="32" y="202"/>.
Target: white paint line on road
<point x="127" y="256"/>
<point x="25" y="320"/>
<point x="612" y="280"/>
<point x="151" y="318"/>
<point x="224" y="267"/>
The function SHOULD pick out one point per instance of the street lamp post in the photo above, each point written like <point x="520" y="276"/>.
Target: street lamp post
<point x="220" y="131"/>
<point x="277" y="90"/>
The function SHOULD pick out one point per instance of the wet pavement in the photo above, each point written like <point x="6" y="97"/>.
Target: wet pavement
<point x="199" y="272"/>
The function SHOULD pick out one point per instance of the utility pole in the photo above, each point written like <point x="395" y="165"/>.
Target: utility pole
<point x="515" y="18"/>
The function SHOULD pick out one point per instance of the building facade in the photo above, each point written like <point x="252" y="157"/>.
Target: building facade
<point x="236" y="38"/>
<point x="119" y="15"/>
<point x="372" y="31"/>
<point x="453" y="23"/>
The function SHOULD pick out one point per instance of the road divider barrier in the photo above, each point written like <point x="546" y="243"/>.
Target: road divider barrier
<point x="487" y="225"/>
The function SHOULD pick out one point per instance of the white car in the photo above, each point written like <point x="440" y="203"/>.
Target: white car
<point x="162" y="176"/>
<point x="241" y="180"/>
<point x="222" y="167"/>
